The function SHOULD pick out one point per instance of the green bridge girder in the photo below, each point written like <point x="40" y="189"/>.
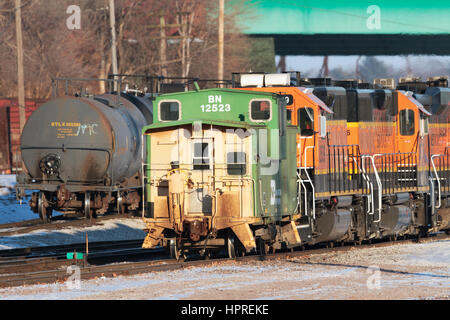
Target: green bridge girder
<point x="363" y="27"/>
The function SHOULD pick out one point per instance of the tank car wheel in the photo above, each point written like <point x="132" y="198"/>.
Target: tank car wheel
<point x="89" y="213"/>
<point x="120" y="205"/>
<point x="44" y="213"/>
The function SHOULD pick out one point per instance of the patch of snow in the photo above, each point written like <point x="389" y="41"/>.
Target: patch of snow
<point x="10" y="209"/>
<point x="114" y="229"/>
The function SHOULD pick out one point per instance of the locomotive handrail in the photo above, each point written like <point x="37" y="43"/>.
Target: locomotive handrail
<point x="312" y="185"/>
<point x="377" y="177"/>
<point x="437" y="178"/>
<point x="339" y="164"/>
<point x="369" y="185"/>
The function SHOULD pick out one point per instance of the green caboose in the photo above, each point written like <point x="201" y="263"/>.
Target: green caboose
<point x="221" y="172"/>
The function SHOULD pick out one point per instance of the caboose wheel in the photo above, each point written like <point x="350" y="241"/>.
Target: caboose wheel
<point x="234" y="247"/>
<point x="174" y="250"/>
<point x="262" y="248"/>
<point x="230" y="247"/>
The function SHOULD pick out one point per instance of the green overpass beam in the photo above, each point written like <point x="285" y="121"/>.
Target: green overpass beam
<point x="366" y="27"/>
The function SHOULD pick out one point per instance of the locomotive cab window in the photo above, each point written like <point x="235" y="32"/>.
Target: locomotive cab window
<point x="236" y="163"/>
<point x="407" y="126"/>
<point x="260" y="110"/>
<point x="305" y="118"/>
<point x="169" y="111"/>
<point x="201" y="158"/>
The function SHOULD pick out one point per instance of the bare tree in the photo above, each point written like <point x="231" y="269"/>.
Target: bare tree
<point x="51" y="49"/>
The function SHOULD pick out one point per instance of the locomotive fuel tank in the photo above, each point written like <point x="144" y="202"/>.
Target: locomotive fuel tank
<point x="333" y="225"/>
<point x="395" y="220"/>
<point x="75" y="141"/>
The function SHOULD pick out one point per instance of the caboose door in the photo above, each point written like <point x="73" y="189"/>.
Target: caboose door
<point x="199" y="199"/>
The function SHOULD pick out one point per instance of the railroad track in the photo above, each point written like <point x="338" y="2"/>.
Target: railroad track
<point x="54" y="251"/>
<point x="60" y="274"/>
<point x="25" y="263"/>
<point x="58" y="223"/>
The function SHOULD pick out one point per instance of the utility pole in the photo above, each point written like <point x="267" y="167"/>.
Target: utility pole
<point x="20" y="76"/>
<point x="112" y="20"/>
<point x="163" y="46"/>
<point x="220" y="42"/>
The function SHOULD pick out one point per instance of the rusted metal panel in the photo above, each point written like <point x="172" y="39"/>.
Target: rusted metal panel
<point x="11" y="124"/>
<point x="5" y="165"/>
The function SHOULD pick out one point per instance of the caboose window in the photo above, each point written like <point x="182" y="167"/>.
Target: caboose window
<point x="260" y="110"/>
<point x="169" y="111"/>
<point x="305" y="118"/>
<point x="201" y="156"/>
<point x="236" y="163"/>
<point x="407" y="127"/>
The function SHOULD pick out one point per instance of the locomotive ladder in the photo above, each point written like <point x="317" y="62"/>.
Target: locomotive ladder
<point x="303" y="182"/>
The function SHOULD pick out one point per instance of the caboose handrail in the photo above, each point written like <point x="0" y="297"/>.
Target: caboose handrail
<point x="437" y="178"/>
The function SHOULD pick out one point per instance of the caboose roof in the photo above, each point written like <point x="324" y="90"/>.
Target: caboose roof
<point x="223" y="123"/>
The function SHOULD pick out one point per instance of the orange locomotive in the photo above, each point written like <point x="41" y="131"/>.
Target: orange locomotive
<point x="364" y="158"/>
<point x="434" y="94"/>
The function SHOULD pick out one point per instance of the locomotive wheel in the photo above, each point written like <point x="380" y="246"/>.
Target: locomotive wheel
<point x="44" y="213"/>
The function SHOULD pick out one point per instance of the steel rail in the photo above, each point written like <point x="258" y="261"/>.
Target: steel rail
<point x="132" y="268"/>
